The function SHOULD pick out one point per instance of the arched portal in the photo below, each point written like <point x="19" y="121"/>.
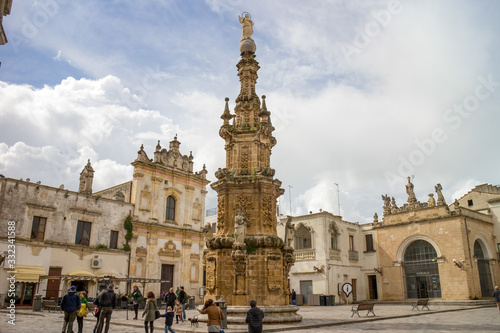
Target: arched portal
<point x="483" y="266"/>
<point x="421" y="271"/>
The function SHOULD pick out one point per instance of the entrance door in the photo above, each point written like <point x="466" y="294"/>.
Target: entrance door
<point x="167" y="273"/>
<point x="372" y="286"/>
<point x="306" y="288"/>
<point x="53" y="284"/>
<point x="421" y="271"/>
<point x="483" y="267"/>
<point x="25" y="293"/>
<point x="422" y="287"/>
<point x="354" y="295"/>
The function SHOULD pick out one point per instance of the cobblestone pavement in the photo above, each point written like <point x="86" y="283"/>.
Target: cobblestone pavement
<point x="389" y="318"/>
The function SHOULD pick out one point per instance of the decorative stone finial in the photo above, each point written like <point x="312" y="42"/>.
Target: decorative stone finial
<point x="158" y="146"/>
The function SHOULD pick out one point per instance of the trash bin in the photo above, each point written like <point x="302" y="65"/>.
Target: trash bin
<point x="191" y="302"/>
<point x="37" y="303"/>
<point x="322" y="300"/>
<point x="329" y="300"/>
<point x="222" y="305"/>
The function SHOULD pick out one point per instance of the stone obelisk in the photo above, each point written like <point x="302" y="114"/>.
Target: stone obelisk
<point x="246" y="260"/>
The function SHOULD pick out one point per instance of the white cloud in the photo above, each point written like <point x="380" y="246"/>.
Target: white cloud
<point x="160" y="71"/>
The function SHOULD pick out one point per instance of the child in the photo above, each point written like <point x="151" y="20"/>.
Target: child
<point x="83" y="311"/>
<point x="150" y="312"/>
<point x="178" y="312"/>
<point x="169" y="319"/>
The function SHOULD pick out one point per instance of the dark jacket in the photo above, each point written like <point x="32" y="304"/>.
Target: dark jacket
<point x="182" y="297"/>
<point x="169" y="318"/>
<point x="136" y="295"/>
<point x="254" y="320"/>
<point x="107" y="299"/>
<point x="496" y="294"/>
<point x="71" y="302"/>
<point x="294" y="295"/>
<point x="170" y="299"/>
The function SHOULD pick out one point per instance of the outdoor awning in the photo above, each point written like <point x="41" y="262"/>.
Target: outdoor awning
<point x="29" y="273"/>
<point x="80" y="275"/>
<point x="107" y="274"/>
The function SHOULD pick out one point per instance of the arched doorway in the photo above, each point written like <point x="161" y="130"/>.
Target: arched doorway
<point x="483" y="266"/>
<point x="421" y="271"/>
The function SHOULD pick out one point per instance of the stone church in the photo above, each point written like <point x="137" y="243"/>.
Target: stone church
<point x="84" y="238"/>
<point x="426" y="249"/>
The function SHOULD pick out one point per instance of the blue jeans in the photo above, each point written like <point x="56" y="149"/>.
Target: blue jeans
<point x="169" y="329"/>
<point x="184" y="311"/>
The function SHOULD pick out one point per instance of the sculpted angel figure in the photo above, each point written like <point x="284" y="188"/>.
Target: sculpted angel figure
<point x="289" y="232"/>
<point x="246" y="26"/>
<point x="409" y="189"/>
<point x="240" y="223"/>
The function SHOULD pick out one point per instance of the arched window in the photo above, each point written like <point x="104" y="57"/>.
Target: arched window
<point x="170" y="215"/>
<point x="303" y="238"/>
<point x="421" y="269"/>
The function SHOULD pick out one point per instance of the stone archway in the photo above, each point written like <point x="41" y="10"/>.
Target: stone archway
<point x="481" y="254"/>
<point x="421" y="270"/>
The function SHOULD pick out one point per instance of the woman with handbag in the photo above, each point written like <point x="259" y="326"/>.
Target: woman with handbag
<point x="84" y="309"/>
<point x="150" y="312"/>
<point x="136" y="299"/>
<point x="215" y="316"/>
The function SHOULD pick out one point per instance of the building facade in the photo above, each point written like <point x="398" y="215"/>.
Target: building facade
<point x="83" y="237"/>
<point x="330" y="252"/>
<point x="418" y="250"/>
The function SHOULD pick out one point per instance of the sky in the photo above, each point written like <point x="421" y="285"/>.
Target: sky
<point x="362" y="94"/>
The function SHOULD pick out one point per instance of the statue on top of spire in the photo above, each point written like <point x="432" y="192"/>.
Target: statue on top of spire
<point x="246" y="25"/>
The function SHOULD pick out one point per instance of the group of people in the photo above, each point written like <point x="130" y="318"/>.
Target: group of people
<point x="75" y="306"/>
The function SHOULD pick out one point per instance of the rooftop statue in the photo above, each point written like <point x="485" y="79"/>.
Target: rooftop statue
<point x="247" y="26"/>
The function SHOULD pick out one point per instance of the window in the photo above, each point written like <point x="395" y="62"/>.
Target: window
<point x="351" y="242"/>
<point x="303" y="238"/>
<point x="38" y="227"/>
<point x="334" y="242"/>
<point x="113" y="240"/>
<point x="83" y="233"/>
<point x="369" y="243"/>
<point x="470" y="202"/>
<point x="170" y="209"/>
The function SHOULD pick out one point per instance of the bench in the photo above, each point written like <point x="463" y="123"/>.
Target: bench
<point x="50" y="304"/>
<point x="363" y="307"/>
<point x="422" y="303"/>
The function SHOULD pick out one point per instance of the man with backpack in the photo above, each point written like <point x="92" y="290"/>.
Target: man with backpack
<point x="107" y="302"/>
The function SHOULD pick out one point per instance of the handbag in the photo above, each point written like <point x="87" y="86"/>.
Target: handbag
<point x="157" y="314"/>
<point x="83" y="311"/>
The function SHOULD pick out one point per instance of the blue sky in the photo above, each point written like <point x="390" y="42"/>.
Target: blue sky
<point x="362" y="94"/>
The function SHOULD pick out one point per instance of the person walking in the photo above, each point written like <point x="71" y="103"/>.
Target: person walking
<point x="215" y="316"/>
<point x="182" y="299"/>
<point x="178" y="311"/>
<point x="496" y="294"/>
<point x="84" y="310"/>
<point x="136" y="298"/>
<point x="170" y="298"/>
<point x="293" y="297"/>
<point x="107" y="303"/>
<point x="97" y="313"/>
<point x="149" y="312"/>
<point x="254" y="318"/>
<point x="169" y="320"/>
<point x="70" y="304"/>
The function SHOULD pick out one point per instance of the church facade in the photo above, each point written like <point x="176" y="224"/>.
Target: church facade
<point x="417" y="250"/>
<point x="146" y="229"/>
